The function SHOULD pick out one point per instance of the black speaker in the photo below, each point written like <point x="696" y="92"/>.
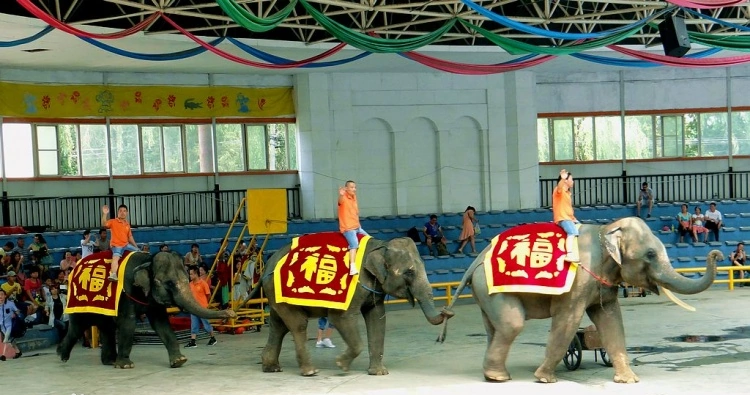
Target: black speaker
<point x="674" y="36"/>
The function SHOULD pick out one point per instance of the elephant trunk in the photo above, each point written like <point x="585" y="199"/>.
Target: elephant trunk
<point x="423" y="293"/>
<point x="185" y="300"/>
<point x="671" y="280"/>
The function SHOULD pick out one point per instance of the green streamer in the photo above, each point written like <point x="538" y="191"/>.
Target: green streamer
<point x="515" y="47"/>
<point x="374" y="44"/>
<point x="734" y="43"/>
<point x="249" y="21"/>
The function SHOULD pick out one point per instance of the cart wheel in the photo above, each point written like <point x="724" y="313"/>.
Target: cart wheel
<point x="624" y="292"/>
<point x="572" y="357"/>
<point x="643" y="293"/>
<point x="605" y="357"/>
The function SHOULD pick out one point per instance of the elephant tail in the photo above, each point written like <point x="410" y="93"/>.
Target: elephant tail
<point x="466" y="280"/>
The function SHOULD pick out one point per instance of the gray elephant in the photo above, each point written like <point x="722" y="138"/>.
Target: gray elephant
<point x="389" y="268"/>
<point x="623" y="251"/>
<point x="150" y="285"/>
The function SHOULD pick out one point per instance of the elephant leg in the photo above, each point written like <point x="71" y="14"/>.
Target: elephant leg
<point x="564" y="326"/>
<point x="276" y="333"/>
<point x="608" y="321"/>
<point x="159" y="320"/>
<point x="125" y="333"/>
<point x="346" y="324"/>
<point x="504" y="318"/>
<point x="296" y="320"/>
<point x="375" y="324"/>
<point x="77" y="325"/>
<point x="107" y="330"/>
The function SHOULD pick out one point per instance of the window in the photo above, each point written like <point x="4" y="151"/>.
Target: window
<point x="583" y="136"/>
<point x="256" y="147"/>
<point x="608" y="138"/>
<point x="714" y="134"/>
<point x="124" y="150"/>
<point x="229" y="147"/>
<point x="542" y="135"/>
<point x="669" y="136"/>
<point x="94" y="155"/>
<point x="17" y="150"/>
<point x="281" y="141"/>
<point x="639" y="137"/>
<point x="67" y="142"/>
<point x="46" y="143"/>
<point x="199" y="148"/>
<point x="162" y="149"/>
<point x="562" y="137"/>
<point x="741" y="133"/>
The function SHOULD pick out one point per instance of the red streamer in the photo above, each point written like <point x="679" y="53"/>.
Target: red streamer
<point x="705" y="4"/>
<point x="39" y="13"/>
<point x="474" y="69"/>
<point x="683" y="62"/>
<point x="246" y="62"/>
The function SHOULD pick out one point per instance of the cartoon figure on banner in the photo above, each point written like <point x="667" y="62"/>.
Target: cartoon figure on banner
<point x="224" y="102"/>
<point x="30" y="101"/>
<point x="139" y="97"/>
<point x="261" y="103"/>
<point x="242" y="101"/>
<point x="75" y="96"/>
<point x="124" y="105"/>
<point x="46" y="102"/>
<point x="157" y="104"/>
<point x="61" y="98"/>
<point x="86" y="104"/>
<point x="105" y="99"/>
<point x="210" y="102"/>
<point x="191" y="104"/>
<point x="171" y="99"/>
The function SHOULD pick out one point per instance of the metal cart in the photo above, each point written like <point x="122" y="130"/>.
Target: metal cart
<point x="585" y="339"/>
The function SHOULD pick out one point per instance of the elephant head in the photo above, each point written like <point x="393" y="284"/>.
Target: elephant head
<point x="643" y="262"/>
<point x="165" y="279"/>
<point x="396" y="265"/>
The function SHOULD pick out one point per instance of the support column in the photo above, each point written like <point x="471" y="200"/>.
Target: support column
<point x="521" y="139"/>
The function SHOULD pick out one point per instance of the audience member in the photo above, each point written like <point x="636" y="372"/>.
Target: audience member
<point x="16" y="262"/>
<point x="433" y="235"/>
<point x="32" y="289"/>
<point x="738" y="258"/>
<point x="69" y="261"/>
<point x="12" y="288"/>
<point x="7" y="248"/>
<point x="39" y="250"/>
<point x="698" y="221"/>
<point x="87" y="245"/>
<point x="468" y="231"/>
<point x="193" y="257"/>
<point x="325" y="328"/>
<point x="55" y="310"/>
<point x="163" y="248"/>
<point x="102" y="243"/>
<point x="685" y="226"/>
<point x="201" y="293"/>
<point x="146" y="248"/>
<point x="21" y="247"/>
<point x="645" y="197"/>
<point x="713" y="220"/>
<point x="8" y="311"/>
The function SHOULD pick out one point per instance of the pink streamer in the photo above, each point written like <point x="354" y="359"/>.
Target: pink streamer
<point x="682" y="62"/>
<point x="474" y="69"/>
<point x="705" y="4"/>
<point x="246" y="62"/>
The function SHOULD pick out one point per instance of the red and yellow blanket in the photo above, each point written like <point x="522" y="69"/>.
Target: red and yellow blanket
<point x="529" y="258"/>
<point x="315" y="272"/>
<point x="90" y="289"/>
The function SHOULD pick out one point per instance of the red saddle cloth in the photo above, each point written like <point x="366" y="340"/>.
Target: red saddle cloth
<point x="89" y="288"/>
<point x="529" y="258"/>
<point x="315" y="272"/>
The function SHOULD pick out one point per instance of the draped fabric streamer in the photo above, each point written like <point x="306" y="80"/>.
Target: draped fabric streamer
<point x="249" y="21"/>
<point x="700" y="15"/>
<point x="246" y="62"/>
<point x="507" y="22"/>
<point x="30" y="39"/>
<point x="270" y="58"/>
<point x="37" y="12"/>
<point x="706" y="4"/>
<point x="188" y="53"/>
<point x="682" y="62"/>
<point x="734" y="43"/>
<point x="374" y="44"/>
<point x="636" y="63"/>
<point x="475" y="69"/>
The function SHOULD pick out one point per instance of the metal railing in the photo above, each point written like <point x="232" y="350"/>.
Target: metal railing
<point x="591" y="191"/>
<point x="148" y="209"/>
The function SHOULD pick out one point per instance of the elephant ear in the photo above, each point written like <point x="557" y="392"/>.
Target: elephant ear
<point x="375" y="263"/>
<point x="141" y="278"/>
<point x="612" y="243"/>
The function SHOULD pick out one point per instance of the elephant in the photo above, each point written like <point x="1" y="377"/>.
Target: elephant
<point x="150" y="284"/>
<point x="623" y="251"/>
<point x="389" y="268"/>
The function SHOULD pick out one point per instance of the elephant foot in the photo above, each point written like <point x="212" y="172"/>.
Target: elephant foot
<point x="377" y="371"/>
<point x="545" y="376"/>
<point x="108" y="362"/>
<point x="64" y="355"/>
<point x="627" y="377"/>
<point x="177" y="362"/>
<point x="308" y="371"/>
<point x="272" y="368"/>
<point x="125" y="363"/>
<point x="343" y="362"/>
<point x="496" y="376"/>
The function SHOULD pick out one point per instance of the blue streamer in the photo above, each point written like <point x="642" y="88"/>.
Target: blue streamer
<point x="717" y="20"/>
<point x="270" y="58"/>
<point x="637" y="63"/>
<point x="14" y="43"/>
<point x="558" y="35"/>
<point x="188" y="53"/>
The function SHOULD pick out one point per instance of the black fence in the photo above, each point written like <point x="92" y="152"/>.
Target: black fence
<point x="667" y="187"/>
<point x="154" y="209"/>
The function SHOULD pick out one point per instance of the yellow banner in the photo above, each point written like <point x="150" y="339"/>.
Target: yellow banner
<point x="80" y="101"/>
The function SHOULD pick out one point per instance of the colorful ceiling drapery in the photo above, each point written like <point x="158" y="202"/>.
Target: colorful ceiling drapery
<point x="369" y="42"/>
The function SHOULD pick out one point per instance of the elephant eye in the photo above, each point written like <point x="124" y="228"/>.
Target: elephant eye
<point x="409" y="273"/>
<point x="651" y="254"/>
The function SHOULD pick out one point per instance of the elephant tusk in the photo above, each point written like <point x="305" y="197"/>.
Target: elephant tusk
<point x="676" y="300"/>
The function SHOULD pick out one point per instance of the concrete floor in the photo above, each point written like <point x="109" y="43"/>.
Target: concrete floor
<point x="418" y="365"/>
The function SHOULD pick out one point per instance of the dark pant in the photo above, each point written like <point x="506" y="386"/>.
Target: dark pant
<point x="713" y="227"/>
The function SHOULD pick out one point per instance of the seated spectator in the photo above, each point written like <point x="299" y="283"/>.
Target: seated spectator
<point x="32" y="289"/>
<point x="193" y="257"/>
<point x="8" y="311"/>
<point x="47" y="284"/>
<point x="738" y="258"/>
<point x="102" y="243"/>
<point x="87" y="245"/>
<point x="21" y="248"/>
<point x="16" y="263"/>
<point x="713" y="220"/>
<point x="468" y="233"/>
<point x="4" y="267"/>
<point x="685" y="224"/>
<point x="69" y="261"/>
<point x="40" y="250"/>
<point x="12" y="288"/>
<point x="7" y="248"/>
<point x="163" y="248"/>
<point x="61" y="282"/>
<point x="55" y="310"/>
<point x="698" y="220"/>
<point x="433" y="234"/>
<point x="645" y="196"/>
<point x="146" y="248"/>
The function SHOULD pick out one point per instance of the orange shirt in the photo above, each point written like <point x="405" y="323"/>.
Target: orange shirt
<point x="348" y="213"/>
<point x="120" y="232"/>
<point x="562" y="205"/>
<point x="200" y="291"/>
